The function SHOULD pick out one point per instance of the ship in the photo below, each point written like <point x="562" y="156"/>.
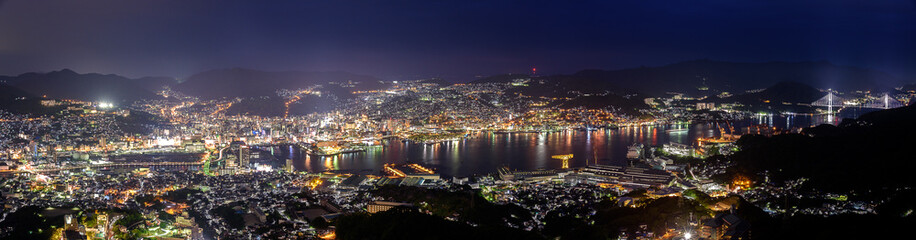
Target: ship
<point x="676" y="130"/>
<point x="634" y="151"/>
<point x="322" y="153"/>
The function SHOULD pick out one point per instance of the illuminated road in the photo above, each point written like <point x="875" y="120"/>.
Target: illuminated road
<point x="138" y="164"/>
<point x="222" y="107"/>
<point x="221" y="153"/>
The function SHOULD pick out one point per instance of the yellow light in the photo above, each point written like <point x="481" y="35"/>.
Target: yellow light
<point x="565" y="159"/>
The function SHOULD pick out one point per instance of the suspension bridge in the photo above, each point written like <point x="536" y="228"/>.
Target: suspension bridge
<point x="832" y="101"/>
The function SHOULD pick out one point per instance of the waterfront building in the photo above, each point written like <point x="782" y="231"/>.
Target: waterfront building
<point x="634" y="151"/>
<point x="289" y="165"/>
<point x="632" y="176"/>
<point x="536" y="175"/>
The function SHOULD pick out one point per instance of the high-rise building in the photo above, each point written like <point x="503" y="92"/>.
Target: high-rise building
<point x="103" y="224"/>
<point x="231" y="162"/>
<point x="289" y="165"/>
<point x="244" y="156"/>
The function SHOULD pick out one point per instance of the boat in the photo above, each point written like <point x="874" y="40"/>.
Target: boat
<point x="319" y="152"/>
<point x="676" y="130"/>
<point x="634" y="151"/>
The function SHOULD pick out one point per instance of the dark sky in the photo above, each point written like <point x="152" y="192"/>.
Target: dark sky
<point x="454" y="39"/>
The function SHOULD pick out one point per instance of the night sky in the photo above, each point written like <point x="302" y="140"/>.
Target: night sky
<point x="453" y="39"/>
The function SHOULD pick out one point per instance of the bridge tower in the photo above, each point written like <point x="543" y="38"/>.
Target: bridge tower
<point x="885" y="98"/>
<point x="830" y="101"/>
<point x="887" y="102"/>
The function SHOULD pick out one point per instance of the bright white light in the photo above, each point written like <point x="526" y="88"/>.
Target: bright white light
<point x="687" y="235"/>
<point x="263" y="168"/>
<point x="166" y="142"/>
<point x="43" y="178"/>
<point x="105" y="105"/>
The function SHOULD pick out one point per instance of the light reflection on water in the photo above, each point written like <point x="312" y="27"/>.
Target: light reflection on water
<point x="484" y="152"/>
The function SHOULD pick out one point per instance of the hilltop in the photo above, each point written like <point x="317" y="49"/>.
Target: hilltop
<point x="68" y="84"/>
<point x="241" y="82"/>
<point x="705" y="77"/>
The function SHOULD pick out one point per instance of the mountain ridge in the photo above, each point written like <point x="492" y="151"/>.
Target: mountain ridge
<point x="68" y="84"/>
<point x="244" y="82"/>
<point x="695" y="78"/>
<point x="724" y="76"/>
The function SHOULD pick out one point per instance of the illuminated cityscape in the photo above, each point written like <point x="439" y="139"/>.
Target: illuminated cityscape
<point x="412" y="141"/>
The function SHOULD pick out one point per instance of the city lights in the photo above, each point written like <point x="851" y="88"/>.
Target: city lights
<point x="457" y="120"/>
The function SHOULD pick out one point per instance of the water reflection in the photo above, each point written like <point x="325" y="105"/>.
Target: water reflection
<point x="483" y="153"/>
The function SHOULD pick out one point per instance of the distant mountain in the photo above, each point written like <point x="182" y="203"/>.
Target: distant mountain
<point x="15" y="100"/>
<point x="790" y="92"/>
<point x="555" y="86"/>
<point x="630" y="106"/>
<point x="12" y="98"/>
<point x="156" y="84"/>
<point x="909" y="88"/>
<point x="719" y="76"/>
<point x="440" y="81"/>
<point x="870" y="152"/>
<point x="240" y="82"/>
<point x="9" y="93"/>
<point x="891" y="121"/>
<point x="67" y="84"/>
<point x="274" y="106"/>
<point x="785" y="96"/>
<point x="7" y="80"/>
<point x="706" y="78"/>
<point x="502" y="78"/>
<point x="586" y="92"/>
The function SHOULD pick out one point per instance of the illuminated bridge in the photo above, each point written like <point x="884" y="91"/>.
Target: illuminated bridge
<point x="884" y="102"/>
<point x="831" y="101"/>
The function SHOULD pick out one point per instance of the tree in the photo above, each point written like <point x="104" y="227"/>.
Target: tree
<point x="320" y="223"/>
